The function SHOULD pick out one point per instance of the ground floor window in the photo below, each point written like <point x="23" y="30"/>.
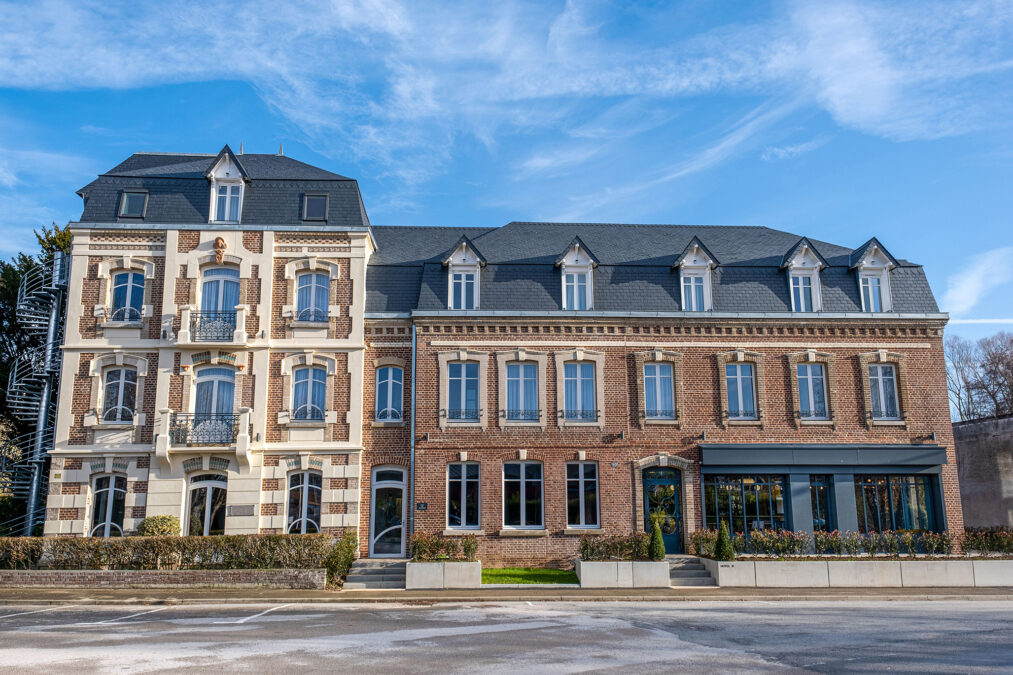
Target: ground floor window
<point x="522" y="494"/>
<point x="582" y="494"/>
<point x="823" y="515"/>
<point x="753" y="502"/>
<point x="462" y="494"/>
<point x="108" y="506"/>
<point x="888" y="502"/>
<point x="304" y="490"/>
<point x="207" y="505"/>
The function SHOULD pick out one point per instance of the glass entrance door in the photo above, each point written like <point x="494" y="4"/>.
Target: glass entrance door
<point x="663" y="500"/>
<point x="387" y="513"/>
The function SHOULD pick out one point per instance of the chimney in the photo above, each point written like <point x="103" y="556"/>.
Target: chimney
<point x="281" y="150"/>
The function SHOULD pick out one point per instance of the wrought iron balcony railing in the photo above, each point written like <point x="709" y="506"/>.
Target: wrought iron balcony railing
<point x="124" y="314"/>
<point x="388" y="415"/>
<point x="312" y="314"/>
<point x="463" y="414"/>
<point x="746" y="414"/>
<point x="581" y="415"/>
<point x="813" y="414"/>
<point x="522" y="415"/>
<point x="659" y="414"/>
<point x="308" y="413"/>
<point x="212" y="326"/>
<point x="203" y="429"/>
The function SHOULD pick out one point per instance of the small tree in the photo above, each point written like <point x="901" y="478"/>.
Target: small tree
<point x="159" y="526"/>
<point x="657" y="548"/>
<point x="724" y="550"/>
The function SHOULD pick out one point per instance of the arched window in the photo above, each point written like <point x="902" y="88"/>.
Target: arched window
<point x="128" y="296"/>
<point x="389" y="397"/>
<point x="120" y="393"/>
<point x="220" y="289"/>
<point x="313" y="296"/>
<point x="107" y="507"/>
<point x="206" y="508"/>
<point x="216" y="387"/>
<point x="310" y="394"/>
<point x="304" y="502"/>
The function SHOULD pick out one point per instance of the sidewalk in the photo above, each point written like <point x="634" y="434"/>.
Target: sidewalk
<point x="62" y="596"/>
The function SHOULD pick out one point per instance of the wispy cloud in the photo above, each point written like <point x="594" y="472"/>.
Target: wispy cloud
<point x="984" y="273"/>
<point x="776" y="152"/>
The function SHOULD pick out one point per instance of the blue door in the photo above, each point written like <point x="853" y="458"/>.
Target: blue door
<point x="663" y="500"/>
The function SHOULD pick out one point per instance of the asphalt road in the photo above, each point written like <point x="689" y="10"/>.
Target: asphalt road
<point x="915" y="637"/>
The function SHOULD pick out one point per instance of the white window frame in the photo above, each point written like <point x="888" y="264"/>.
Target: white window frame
<point x="578" y="381"/>
<point x="133" y="289"/>
<point x="581" y="480"/>
<point x="807" y="381"/>
<point x="655" y="381"/>
<point x="389" y="403"/>
<point x="119" y="419"/>
<point x="519" y="380"/>
<point x="304" y="488"/>
<point x="208" y="374"/>
<point x="231" y="187"/>
<point x="311" y="383"/>
<point x="876" y="385"/>
<point x="689" y="277"/>
<point x="883" y="277"/>
<point x="464" y="496"/>
<point x="193" y="485"/>
<point x="107" y="524"/>
<point x="571" y="279"/>
<point x="458" y="275"/>
<point x="738" y="377"/>
<point x="316" y="313"/>
<point x="814" y="290"/>
<point x="524" y="493"/>
<point x="464" y="392"/>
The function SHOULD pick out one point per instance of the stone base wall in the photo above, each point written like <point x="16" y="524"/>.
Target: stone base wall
<point x="288" y="578"/>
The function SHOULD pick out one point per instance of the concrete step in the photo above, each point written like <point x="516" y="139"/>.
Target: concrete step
<point x="693" y="581"/>
<point x="373" y="574"/>
<point x="688" y="574"/>
<point x="366" y="578"/>
<point x="694" y="566"/>
<point x="359" y="586"/>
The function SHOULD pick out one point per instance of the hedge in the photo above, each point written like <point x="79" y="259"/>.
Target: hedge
<point x="254" y="551"/>
<point x="778" y="543"/>
<point x="635" y="546"/>
<point x="435" y="548"/>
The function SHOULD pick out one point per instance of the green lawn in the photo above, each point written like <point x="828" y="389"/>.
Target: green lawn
<point x="528" y="575"/>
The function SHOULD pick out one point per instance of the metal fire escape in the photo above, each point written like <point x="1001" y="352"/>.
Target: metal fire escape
<point x="31" y="393"/>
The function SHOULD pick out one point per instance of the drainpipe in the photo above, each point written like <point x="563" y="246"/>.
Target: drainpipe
<point x="411" y="471"/>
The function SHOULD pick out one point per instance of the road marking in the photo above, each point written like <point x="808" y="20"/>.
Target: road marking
<point x="48" y="609"/>
<point x="113" y="622"/>
<point x="256" y="615"/>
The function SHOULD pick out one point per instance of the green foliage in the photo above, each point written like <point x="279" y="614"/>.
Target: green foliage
<point x="340" y="558"/>
<point x="159" y="526"/>
<point x="615" y="547"/>
<point x="433" y="547"/>
<point x="20" y="553"/>
<point x="702" y="542"/>
<point x="723" y="548"/>
<point x="469" y="547"/>
<point x="907" y="542"/>
<point x="986" y="540"/>
<point x="657" y="547"/>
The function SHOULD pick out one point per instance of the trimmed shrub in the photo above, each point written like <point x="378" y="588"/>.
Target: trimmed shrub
<point x="988" y="540"/>
<point x="434" y="548"/>
<point x="656" y="551"/>
<point x="469" y="547"/>
<point x="159" y="526"/>
<point x="908" y="542"/>
<point x="340" y="558"/>
<point x="723" y="548"/>
<point x="20" y="553"/>
<point x="615" y="547"/>
<point x="702" y="542"/>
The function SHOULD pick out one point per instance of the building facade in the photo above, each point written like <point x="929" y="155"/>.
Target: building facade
<point x="251" y="355"/>
<point x="985" y="462"/>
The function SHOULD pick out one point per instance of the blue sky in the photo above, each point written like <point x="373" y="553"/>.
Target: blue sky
<point x="839" y="120"/>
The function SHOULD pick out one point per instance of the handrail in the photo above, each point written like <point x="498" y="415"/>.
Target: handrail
<point x="203" y="429"/>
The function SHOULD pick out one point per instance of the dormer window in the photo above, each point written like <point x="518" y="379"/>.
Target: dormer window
<point x="872" y="292"/>
<point x="803" y="263"/>
<point x="464" y="264"/>
<point x="226" y="175"/>
<point x="873" y="264"/>
<point x="576" y="264"/>
<point x="462" y="290"/>
<point x="801" y="293"/>
<point x="314" y="207"/>
<point x="133" y="204"/>
<point x="228" y="202"/>
<point x="695" y="265"/>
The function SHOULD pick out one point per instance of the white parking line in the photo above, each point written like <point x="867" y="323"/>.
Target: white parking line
<point x="38" y="611"/>
<point x="256" y="615"/>
<point x="113" y="622"/>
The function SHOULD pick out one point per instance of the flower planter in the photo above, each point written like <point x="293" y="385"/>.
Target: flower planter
<point x="422" y="575"/>
<point x="861" y="573"/>
<point x="621" y="574"/>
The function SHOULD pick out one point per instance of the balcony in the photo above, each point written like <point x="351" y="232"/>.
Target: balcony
<point x="179" y="432"/>
<point x="513" y="415"/>
<point x="228" y="327"/>
<point x="463" y="415"/>
<point x="580" y="415"/>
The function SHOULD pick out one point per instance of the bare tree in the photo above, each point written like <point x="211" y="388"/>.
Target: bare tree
<point x="961" y="376"/>
<point x="995" y="363"/>
<point x="979" y="376"/>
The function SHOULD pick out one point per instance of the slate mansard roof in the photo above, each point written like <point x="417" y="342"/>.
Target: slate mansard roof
<point x="634" y="272"/>
<point x="179" y="191"/>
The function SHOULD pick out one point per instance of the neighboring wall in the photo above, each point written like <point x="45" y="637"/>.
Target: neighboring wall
<point x="985" y="466"/>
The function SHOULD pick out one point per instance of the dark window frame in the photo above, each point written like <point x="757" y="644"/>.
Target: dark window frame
<point x="305" y="206"/>
<point x="123" y="203"/>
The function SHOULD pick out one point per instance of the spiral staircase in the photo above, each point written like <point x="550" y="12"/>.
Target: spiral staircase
<point x="31" y="394"/>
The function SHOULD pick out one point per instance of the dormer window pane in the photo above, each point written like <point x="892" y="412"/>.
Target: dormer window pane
<point x="872" y="294"/>
<point x="315" y="207"/>
<point x="576" y="290"/>
<point x="228" y="203"/>
<point x="463" y="290"/>
<point x="133" y="204"/>
<point x="692" y="292"/>
<point x="802" y="293"/>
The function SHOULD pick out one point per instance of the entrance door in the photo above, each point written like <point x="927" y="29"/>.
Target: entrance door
<point x="663" y="500"/>
<point x="387" y="513"/>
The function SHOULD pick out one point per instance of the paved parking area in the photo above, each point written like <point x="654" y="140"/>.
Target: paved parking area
<point x="923" y="637"/>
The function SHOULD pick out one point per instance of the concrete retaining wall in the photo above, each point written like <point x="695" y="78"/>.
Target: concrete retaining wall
<point x="443" y="575"/>
<point x="608" y="574"/>
<point x="861" y="573"/>
<point x="289" y="578"/>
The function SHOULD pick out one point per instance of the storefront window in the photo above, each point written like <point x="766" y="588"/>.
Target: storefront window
<point x="745" y="502"/>
<point x="894" y="503"/>
<point x="823" y="516"/>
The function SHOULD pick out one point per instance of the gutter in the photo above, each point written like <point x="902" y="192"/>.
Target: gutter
<point x="811" y="316"/>
<point x="411" y="470"/>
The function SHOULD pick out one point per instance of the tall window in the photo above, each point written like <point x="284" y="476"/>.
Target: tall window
<point x="522" y="494"/>
<point x="119" y="395"/>
<point x="741" y="391"/>
<point x="462" y="290"/>
<point x="220" y="290"/>
<point x="582" y="494"/>
<point x="389" y="387"/>
<point x="310" y="393"/>
<point x="128" y="296"/>
<point x="894" y="503"/>
<point x="658" y="399"/>
<point x="819" y="492"/>
<point x="812" y="391"/>
<point x="462" y="400"/>
<point x="304" y="490"/>
<point x="206" y="508"/>
<point x="753" y="502"/>
<point x="883" y="386"/>
<point x="107" y="507"/>
<point x="802" y="293"/>
<point x="228" y="203"/>
<point x="522" y="392"/>
<point x="579" y="391"/>
<point x="692" y="292"/>
<point x="576" y="290"/>
<point x="312" y="297"/>
<point x="872" y="294"/>
<point x="463" y="494"/>
<point x="216" y="389"/>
